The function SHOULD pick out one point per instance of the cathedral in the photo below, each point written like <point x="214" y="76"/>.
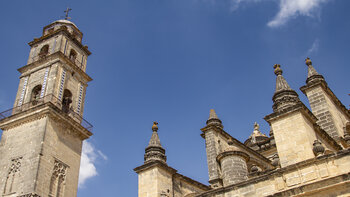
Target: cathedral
<point x="307" y="152"/>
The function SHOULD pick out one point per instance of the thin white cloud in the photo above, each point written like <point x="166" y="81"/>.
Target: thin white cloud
<point x="293" y="8"/>
<point x="102" y="155"/>
<point x="314" y="47"/>
<point x="235" y="4"/>
<point x="89" y="157"/>
<point x="288" y="9"/>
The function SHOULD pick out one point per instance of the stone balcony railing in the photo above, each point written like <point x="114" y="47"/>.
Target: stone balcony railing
<point x="48" y="99"/>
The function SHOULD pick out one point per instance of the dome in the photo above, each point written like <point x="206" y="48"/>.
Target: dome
<point x="65" y="21"/>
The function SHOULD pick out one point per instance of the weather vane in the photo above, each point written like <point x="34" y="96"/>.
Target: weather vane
<point x="67" y="12"/>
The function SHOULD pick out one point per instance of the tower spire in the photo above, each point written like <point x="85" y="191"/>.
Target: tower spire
<point x="312" y="74"/>
<point x="214" y="120"/>
<point x="284" y="96"/>
<point x="154" y="150"/>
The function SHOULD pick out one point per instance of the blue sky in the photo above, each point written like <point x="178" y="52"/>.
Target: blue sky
<point x="171" y="61"/>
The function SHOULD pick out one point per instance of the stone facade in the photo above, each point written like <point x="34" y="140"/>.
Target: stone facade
<point x="42" y="137"/>
<point x="306" y="154"/>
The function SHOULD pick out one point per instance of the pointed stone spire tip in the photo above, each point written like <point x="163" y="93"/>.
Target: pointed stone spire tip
<point x="214" y="119"/>
<point x="212" y="114"/>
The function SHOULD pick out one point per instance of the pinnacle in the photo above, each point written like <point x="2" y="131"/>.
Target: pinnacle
<point x="312" y="74"/>
<point x="214" y="120"/>
<point x="212" y="115"/>
<point x="154" y="141"/>
<point x="154" y="150"/>
<point x="281" y="83"/>
<point x="311" y="69"/>
<point x="284" y="95"/>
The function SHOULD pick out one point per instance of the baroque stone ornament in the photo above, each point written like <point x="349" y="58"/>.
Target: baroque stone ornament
<point x="318" y="148"/>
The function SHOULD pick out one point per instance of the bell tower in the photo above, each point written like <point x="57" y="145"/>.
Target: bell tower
<point x="42" y="137"/>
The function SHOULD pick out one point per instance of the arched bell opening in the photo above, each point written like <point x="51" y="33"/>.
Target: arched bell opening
<point x="44" y="51"/>
<point x="35" y="96"/>
<point x="66" y="101"/>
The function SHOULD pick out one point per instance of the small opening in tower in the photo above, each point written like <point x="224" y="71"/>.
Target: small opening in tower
<point x="44" y="51"/>
<point x="66" y="101"/>
<point x="72" y="55"/>
<point x="35" y="94"/>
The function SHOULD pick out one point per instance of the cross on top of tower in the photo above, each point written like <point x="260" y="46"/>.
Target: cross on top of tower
<point x="67" y="13"/>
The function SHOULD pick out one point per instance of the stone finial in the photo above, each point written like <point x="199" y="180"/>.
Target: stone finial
<point x="281" y="83"/>
<point x="308" y="61"/>
<point x="256" y="126"/>
<point x="154" y="150"/>
<point x="318" y="148"/>
<point x="278" y="70"/>
<point x="312" y="74"/>
<point x="284" y="96"/>
<point x="256" y="133"/>
<point x="214" y="120"/>
<point x="155" y="126"/>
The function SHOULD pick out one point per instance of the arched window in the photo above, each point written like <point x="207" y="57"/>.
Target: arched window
<point x="72" y="55"/>
<point x="66" y="101"/>
<point x="44" y="51"/>
<point x="35" y="94"/>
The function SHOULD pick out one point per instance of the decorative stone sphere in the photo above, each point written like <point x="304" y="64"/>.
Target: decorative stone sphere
<point x="318" y="148"/>
<point x="275" y="160"/>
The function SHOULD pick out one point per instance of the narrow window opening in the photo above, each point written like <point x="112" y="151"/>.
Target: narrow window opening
<point x="66" y="101"/>
<point x="72" y="55"/>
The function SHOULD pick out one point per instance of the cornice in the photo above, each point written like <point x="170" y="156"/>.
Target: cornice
<point x="172" y="171"/>
<point x="297" y="107"/>
<point x="278" y="172"/>
<point x="153" y="164"/>
<point x="41" y="111"/>
<point x="232" y="153"/>
<point x="61" y="58"/>
<point x="57" y="32"/>
<point x="56" y="22"/>
<point x="300" y="107"/>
